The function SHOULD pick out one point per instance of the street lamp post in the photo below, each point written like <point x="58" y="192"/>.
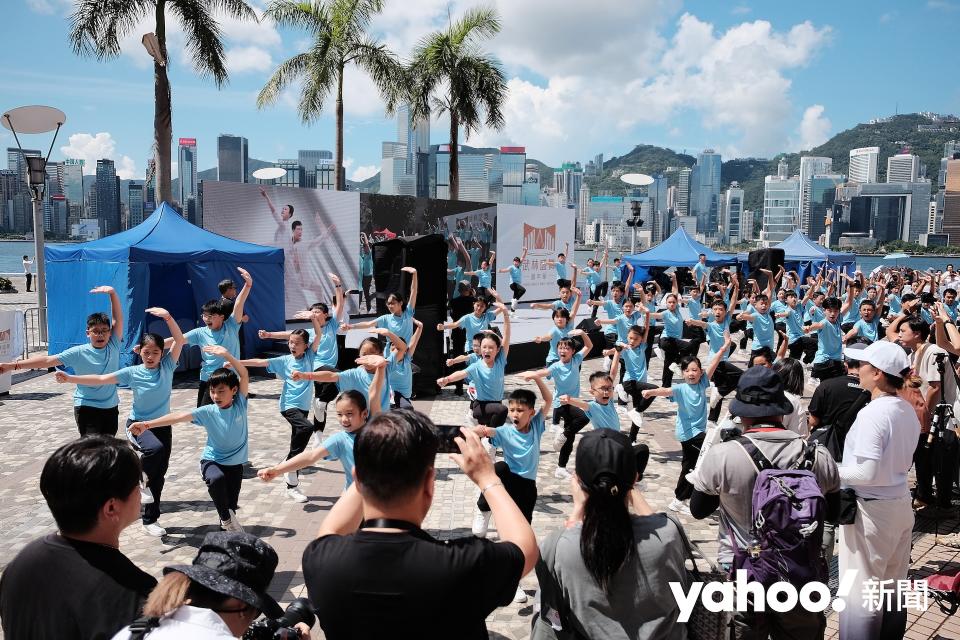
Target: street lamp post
<point x="36" y="119"/>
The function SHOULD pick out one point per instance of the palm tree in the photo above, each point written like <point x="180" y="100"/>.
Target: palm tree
<point x="339" y="35"/>
<point x="467" y="82"/>
<point x="97" y="27"/>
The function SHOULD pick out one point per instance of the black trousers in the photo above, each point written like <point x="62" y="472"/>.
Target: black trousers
<point x="596" y="294"/>
<point x="400" y="401"/>
<point x="805" y="346"/>
<point x="203" y="394"/>
<point x="223" y="484"/>
<point x="796" y="624"/>
<point x="365" y="282"/>
<point x="635" y="390"/>
<point x="323" y="393"/>
<point x="574" y="419"/>
<point x="691" y="451"/>
<point x="458" y="342"/>
<point x="490" y="413"/>
<point x="522" y="490"/>
<point x="828" y="369"/>
<point x="154" y="444"/>
<point x="29" y="280"/>
<point x="518" y="290"/>
<point x="300" y="431"/>
<point x="673" y="351"/>
<point x="651" y="340"/>
<point x="93" y="421"/>
<point x="936" y="460"/>
<point x="725" y="378"/>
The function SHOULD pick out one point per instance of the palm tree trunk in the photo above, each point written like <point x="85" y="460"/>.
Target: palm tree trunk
<point x="338" y="171"/>
<point x="454" y="156"/>
<point x="162" y="115"/>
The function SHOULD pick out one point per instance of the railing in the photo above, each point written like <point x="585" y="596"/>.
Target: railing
<point x="31" y="331"/>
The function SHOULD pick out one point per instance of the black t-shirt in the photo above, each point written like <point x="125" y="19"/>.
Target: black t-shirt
<point x="62" y="589"/>
<point x="833" y="398"/>
<point x="226" y="305"/>
<point x="376" y="585"/>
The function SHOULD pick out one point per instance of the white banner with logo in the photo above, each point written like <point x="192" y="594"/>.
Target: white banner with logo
<point x="544" y="231"/>
<point x="11" y="342"/>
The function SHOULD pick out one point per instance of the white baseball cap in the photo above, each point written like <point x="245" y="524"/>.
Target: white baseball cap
<point x="886" y="356"/>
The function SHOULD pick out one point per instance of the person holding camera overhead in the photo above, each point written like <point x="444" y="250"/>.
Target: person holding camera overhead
<point x="219" y="595"/>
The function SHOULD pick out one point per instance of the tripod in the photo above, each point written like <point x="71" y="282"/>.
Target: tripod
<point x="943" y="440"/>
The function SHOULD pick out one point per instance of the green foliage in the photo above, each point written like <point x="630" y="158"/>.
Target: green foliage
<point x="912" y="248"/>
<point x="5" y="284"/>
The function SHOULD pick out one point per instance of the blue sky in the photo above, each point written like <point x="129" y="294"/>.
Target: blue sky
<point x="746" y="78"/>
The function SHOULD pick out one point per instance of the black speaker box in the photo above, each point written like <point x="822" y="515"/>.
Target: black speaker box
<point x="427" y="254"/>
<point x="771" y="259"/>
<point x="429" y="357"/>
<point x="595" y="331"/>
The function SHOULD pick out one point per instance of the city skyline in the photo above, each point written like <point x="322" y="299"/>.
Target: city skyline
<point x="680" y="54"/>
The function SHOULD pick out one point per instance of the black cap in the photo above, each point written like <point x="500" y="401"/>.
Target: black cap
<point x="760" y="395"/>
<point x="235" y="564"/>
<point x="605" y="452"/>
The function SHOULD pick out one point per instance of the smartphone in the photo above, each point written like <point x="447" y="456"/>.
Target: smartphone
<point x="447" y="433"/>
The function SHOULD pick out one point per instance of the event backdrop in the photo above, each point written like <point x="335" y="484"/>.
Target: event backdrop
<point x="324" y="241"/>
<point x="543" y="230"/>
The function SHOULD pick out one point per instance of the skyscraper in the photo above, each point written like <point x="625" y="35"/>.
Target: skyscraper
<point x="513" y="163"/>
<point x="73" y="187"/>
<point x="472" y="172"/>
<point x="951" y="200"/>
<point x="187" y="168"/>
<point x="863" y="164"/>
<point x="705" y="191"/>
<point x="598" y="162"/>
<point x="531" y="185"/>
<point x="108" y="197"/>
<point x="731" y="228"/>
<point x="294" y="173"/>
<point x="821" y="191"/>
<point x="809" y="167"/>
<point x="405" y="161"/>
<point x="135" y="203"/>
<point x="683" y="192"/>
<point x="781" y="206"/>
<point x="903" y="167"/>
<point x="232" y="158"/>
<point x="309" y="159"/>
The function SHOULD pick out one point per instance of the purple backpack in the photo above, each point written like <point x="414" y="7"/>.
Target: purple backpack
<point x="787" y="522"/>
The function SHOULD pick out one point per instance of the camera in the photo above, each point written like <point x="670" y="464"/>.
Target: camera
<point x="282" y="628"/>
<point x="928" y="298"/>
<point x="446" y="434"/>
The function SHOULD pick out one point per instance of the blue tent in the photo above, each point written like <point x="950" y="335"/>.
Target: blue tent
<point x="679" y="250"/>
<point x="163" y="262"/>
<point x="807" y="257"/>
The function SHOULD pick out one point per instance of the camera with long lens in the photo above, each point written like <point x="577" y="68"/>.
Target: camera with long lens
<point x="282" y="628"/>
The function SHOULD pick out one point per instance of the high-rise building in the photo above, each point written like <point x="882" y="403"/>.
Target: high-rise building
<point x="108" y="197"/>
<point x="863" y="164"/>
<point x="781" y="206"/>
<point x="326" y="174"/>
<point x="405" y="162"/>
<point x="472" y="172"/>
<point x="683" y="192"/>
<point x="294" y="173"/>
<point x="135" y="203"/>
<point x="809" y="167"/>
<point x="883" y="211"/>
<point x="903" y="167"/>
<point x="309" y="160"/>
<point x="731" y="225"/>
<point x="513" y="163"/>
<point x="821" y="194"/>
<point x="567" y="180"/>
<point x="232" y="158"/>
<point x="705" y="192"/>
<point x="73" y="187"/>
<point x="951" y="200"/>
<point x="583" y="211"/>
<point x="187" y="170"/>
<point x="8" y="187"/>
<point x="17" y="161"/>
<point x="150" y="186"/>
<point x="531" y="185"/>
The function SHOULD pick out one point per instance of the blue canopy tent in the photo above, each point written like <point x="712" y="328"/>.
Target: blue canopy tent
<point x="807" y="257"/>
<point x="679" y="250"/>
<point x="163" y="262"/>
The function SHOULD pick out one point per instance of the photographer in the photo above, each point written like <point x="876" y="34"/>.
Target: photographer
<point x="76" y="583"/>
<point x="218" y="596"/>
<point x="384" y="575"/>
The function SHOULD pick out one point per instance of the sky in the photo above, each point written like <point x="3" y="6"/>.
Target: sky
<point x="745" y="78"/>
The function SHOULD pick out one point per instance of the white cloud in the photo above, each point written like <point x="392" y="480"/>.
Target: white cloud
<point x="41" y="6"/>
<point x="363" y="172"/>
<point x="814" y="128"/>
<point x="90" y="148"/>
<point x="347" y="163"/>
<point x="240" y="59"/>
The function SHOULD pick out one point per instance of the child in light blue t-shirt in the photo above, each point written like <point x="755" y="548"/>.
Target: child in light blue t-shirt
<point x="400" y="319"/>
<point x="151" y="384"/>
<point x="221" y="463"/>
<point x="399" y="365"/>
<point x="601" y="412"/>
<point x="520" y="441"/>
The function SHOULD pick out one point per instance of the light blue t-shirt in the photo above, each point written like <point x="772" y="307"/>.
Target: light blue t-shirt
<point x="715" y="339"/>
<point x="691" y="402"/>
<point x="228" y="336"/>
<point x="226" y="431"/>
<point x="339" y="446"/>
<point x="777" y="306"/>
<point x="471" y="358"/>
<point x="652" y="307"/>
<point x="763" y="330"/>
<point x="85" y="360"/>
<point x="593" y="277"/>
<point x="635" y="363"/>
<point x="483" y="278"/>
<point x="624" y="322"/>
<point x="568" y="305"/>
<point x="451" y="264"/>
<point x="700" y="271"/>
<point x="366" y="263"/>
<point x="359" y="379"/>
<point x="400" y="326"/>
<point x="566" y="378"/>
<point x="488" y="380"/>
<point x="829" y="342"/>
<point x="612" y="309"/>
<point x="813" y="314"/>
<point x="672" y="324"/>
<point x="794" y="323"/>
<point x="295" y="394"/>
<point x="561" y="270"/>
<point x="556" y="333"/>
<point x="603" y="416"/>
<point x="695" y="308"/>
<point x="400" y="374"/>
<point x="473" y="325"/>
<point x="853" y="313"/>
<point x="516" y="274"/>
<point x="328" y="354"/>
<point x="868" y="330"/>
<point x="151" y="388"/>
<point x="927" y="315"/>
<point x="896" y="304"/>
<point x="952" y="310"/>
<point x="474" y="257"/>
<point x="521" y="451"/>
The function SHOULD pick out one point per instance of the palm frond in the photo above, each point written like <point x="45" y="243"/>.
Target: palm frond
<point x="97" y="26"/>
<point x="284" y="76"/>
<point x="312" y="16"/>
<point x="384" y="69"/>
<point x="203" y="38"/>
<point x="234" y="8"/>
<point x="477" y="23"/>
<point x="321" y="79"/>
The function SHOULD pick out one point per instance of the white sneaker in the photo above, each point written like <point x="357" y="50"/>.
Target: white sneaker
<point x="319" y="411"/>
<point x="481" y="522"/>
<point x="146" y="496"/>
<point x="155" y="530"/>
<point x="513" y="306"/>
<point x="676" y="369"/>
<point x="559" y="440"/>
<point x="291" y="478"/>
<point x="679" y="506"/>
<point x="607" y="363"/>
<point x="296" y="495"/>
<point x="235" y="521"/>
<point x="621" y="411"/>
<point x="635" y="417"/>
<point x="521" y="595"/>
<point x="622" y="393"/>
<point x="658" y="351"/>
<point x="316" y="440"/>
<point x="561" y="474"/>
<point x="715" y="396"/>
<point x="231" y="525"/>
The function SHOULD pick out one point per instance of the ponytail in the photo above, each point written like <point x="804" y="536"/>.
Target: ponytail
<point x="606" y="540"/>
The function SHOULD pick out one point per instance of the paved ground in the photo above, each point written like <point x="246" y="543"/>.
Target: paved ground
<point x="36" y="418"/>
